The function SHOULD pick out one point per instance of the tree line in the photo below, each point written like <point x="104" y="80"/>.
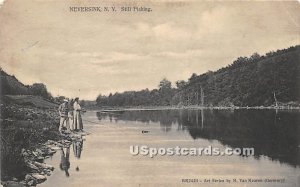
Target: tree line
<point x="248" y="81"/>
<point x="156" y="97"/>
<point x="10" y="85"/>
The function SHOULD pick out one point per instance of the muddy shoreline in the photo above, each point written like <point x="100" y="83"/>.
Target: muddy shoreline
<point x="28" y="136"/>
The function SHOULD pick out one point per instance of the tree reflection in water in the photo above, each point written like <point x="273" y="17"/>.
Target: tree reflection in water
<point x="271" y="133"/>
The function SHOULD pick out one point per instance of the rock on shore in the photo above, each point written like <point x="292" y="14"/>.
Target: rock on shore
<point x="28" y="136"/>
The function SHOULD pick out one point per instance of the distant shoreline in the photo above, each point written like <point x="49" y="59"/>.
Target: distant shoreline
<point x="103" y="109"/>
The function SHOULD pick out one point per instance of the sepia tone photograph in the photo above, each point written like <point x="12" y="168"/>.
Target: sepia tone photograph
<point x="149" y="93"/>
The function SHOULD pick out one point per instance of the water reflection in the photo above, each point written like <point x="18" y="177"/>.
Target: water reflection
<point x="65" y="160"/>
<point x="65" y="156"/>
<point x="77" y="148"/>
<point x="271" y="133"/>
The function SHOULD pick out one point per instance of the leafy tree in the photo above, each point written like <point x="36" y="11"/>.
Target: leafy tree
<point x="164" y="85"/>
<point x="180" y="84"/>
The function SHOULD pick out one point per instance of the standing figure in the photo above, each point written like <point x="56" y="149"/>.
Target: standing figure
<point x="77" y="116"/>
<point x="70" y="114"/>
<point x="63" y="113"/>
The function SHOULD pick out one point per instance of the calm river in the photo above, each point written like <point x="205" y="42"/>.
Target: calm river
<point x="104" y="159"/>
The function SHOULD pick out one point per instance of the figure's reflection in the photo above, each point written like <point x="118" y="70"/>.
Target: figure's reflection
<point x="77" y="148"/>
<point x="65" y="160"/>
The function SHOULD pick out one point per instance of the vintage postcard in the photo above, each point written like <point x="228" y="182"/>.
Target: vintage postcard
<point x="150" y="93"/>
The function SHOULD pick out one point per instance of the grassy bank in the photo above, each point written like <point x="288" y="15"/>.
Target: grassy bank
<point x="29" y="134"/>
<point x="24" y="128"/>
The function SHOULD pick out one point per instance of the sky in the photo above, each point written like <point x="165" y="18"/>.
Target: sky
<point x="90" y="53"/>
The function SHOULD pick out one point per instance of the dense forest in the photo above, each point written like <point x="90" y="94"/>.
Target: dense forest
<point x="258" y="80"/>
<point x="10" y="85"/>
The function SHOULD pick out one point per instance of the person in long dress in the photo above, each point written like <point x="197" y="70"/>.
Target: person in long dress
<point x="77" y="123"/>
<point x="70" y="114"/>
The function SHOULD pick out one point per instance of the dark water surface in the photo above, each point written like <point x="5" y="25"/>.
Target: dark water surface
<point x="103" y="159"/>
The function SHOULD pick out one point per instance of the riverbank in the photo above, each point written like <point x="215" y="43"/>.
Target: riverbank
<point x="193" y="107"/>
<point x="29" y="135"/>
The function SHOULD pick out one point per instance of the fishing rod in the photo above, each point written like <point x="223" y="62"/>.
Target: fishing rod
<point x="104" y="112"/>
<point x="92" y="121"/>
